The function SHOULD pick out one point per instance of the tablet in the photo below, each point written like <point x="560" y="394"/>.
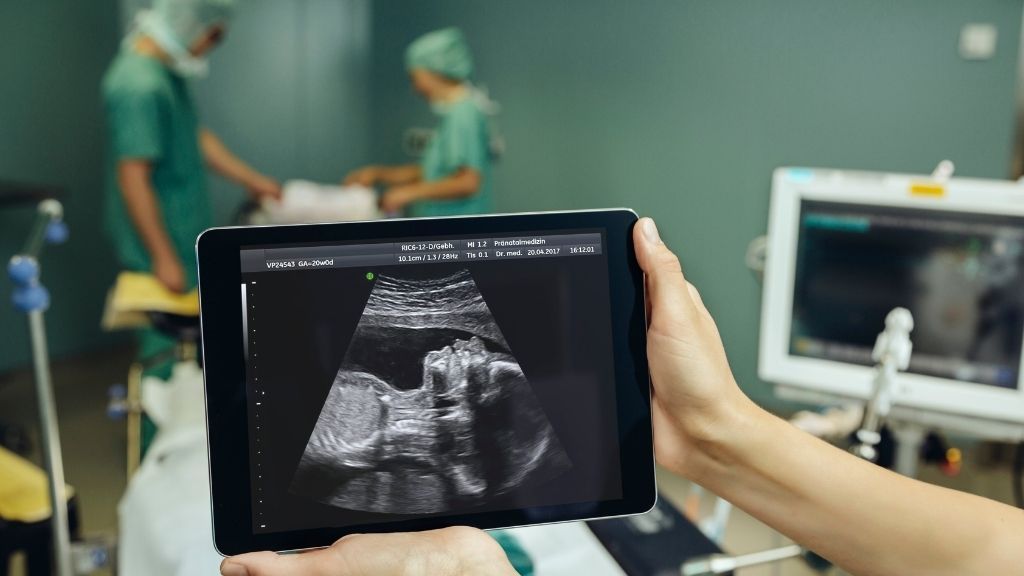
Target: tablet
<point x="401" y="375"/>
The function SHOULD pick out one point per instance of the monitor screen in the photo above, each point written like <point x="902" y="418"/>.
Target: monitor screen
<point x="961" y="276"/>
<point x="430" y="376"/>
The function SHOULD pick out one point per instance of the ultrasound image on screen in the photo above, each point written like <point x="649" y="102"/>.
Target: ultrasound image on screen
<point x="386" y="382"/>
<point x="430" y="411"/>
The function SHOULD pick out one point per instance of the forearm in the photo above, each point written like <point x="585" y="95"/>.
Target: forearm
<point x="224" y="162"/>
<point x="864" y="518"/>
<point x="144" y="211"/>
<point x="398" y="175"/>
<point x="464" y="183"/>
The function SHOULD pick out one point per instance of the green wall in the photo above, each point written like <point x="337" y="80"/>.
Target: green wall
<point x="51" y="131"/>
<point x="677" y="109"/>
<point x="682" y="109"/>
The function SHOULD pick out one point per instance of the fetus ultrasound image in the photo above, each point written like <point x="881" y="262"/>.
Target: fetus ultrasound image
<point x="430" y="411"/>
<point x="390" y="393"/>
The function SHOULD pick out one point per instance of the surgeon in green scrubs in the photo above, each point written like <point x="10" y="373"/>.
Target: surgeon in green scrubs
<point x="156" y="199"/>
<point x="454" y="175"/>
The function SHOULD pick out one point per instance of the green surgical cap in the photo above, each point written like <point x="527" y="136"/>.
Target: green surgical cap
<point x="442" y="51"/>
<point x="187" y="19"/>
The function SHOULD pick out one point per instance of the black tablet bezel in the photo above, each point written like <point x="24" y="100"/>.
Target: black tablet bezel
<point x="217" y="250"/>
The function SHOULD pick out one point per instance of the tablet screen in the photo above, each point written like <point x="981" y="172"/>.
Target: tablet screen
<point x="431" y="376"/>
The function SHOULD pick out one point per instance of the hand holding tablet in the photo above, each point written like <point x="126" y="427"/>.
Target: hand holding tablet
<point x="406" y="375"/>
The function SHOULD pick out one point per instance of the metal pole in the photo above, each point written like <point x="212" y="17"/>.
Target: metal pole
<point x="768" y="556"/>
<point x="909" y="439"/>
<point x="722" y="563"/>
<point x="51" y="444"/>
<point x="48" y="211"/>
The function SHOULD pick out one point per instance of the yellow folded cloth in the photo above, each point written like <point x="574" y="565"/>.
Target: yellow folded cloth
<point x="135" y="293"/>
<point x="24" y="491"/>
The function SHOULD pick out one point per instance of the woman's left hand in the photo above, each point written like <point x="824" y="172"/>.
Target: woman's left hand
<point x="457" y="551"/>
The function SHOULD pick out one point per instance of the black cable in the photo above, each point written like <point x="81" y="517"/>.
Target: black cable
<point x="1018" y="476"/>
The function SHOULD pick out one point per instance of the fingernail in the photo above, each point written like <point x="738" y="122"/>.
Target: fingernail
<point x="651" y="231"/>
<point x="229" y="568"/>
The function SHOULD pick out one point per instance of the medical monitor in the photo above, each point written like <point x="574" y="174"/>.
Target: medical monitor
<point x="845" y="248"/>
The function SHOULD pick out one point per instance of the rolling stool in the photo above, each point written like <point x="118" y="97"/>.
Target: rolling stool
<point x="126" y="401"/>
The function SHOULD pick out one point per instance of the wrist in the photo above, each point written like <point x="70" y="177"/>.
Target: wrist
<point x="720" y="434"/>
<point x="254" y="179"/>
<point x="162" y="254"/>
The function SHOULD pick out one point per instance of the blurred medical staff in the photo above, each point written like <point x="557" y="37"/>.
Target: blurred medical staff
<point x="453" y="176"/>
<point x="157" y="200"/>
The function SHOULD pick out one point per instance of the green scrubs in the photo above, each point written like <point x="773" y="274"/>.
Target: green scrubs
<point x="151" y="116"/>
<point x="462" y="141"/>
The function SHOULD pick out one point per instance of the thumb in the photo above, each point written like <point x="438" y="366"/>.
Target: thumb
<point x="667" y="289"/>
<point x="271" y="564"/>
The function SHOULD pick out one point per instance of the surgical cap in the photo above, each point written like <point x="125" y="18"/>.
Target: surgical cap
<point x="186" y="20"/>
<point x="442" y="51"/>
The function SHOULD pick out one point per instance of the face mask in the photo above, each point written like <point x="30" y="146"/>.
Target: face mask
<point x="182" y="62"/>
<point x="440" y="108"/>
<point x="482" y="99"/>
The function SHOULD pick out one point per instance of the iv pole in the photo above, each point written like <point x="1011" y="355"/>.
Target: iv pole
<point x="32" y="298"/>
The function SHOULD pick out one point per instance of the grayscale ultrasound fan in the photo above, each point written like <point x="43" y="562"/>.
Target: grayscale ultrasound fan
<point x="430" y="412"/>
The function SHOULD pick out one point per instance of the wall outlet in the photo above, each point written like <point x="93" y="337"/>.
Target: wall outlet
<point x="978" y="41"/>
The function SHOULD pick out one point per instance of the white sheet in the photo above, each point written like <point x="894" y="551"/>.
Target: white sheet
<point x="165" y="523"/>
<point x="303" y="201"/>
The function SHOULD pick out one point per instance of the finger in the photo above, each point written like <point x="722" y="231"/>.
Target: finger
<point x="325" y="562"/>
<point x="270" y="564"/>
<point x="173" y="284"/>
<point x="178" y="284"/>
<point x="666" y="286"/>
